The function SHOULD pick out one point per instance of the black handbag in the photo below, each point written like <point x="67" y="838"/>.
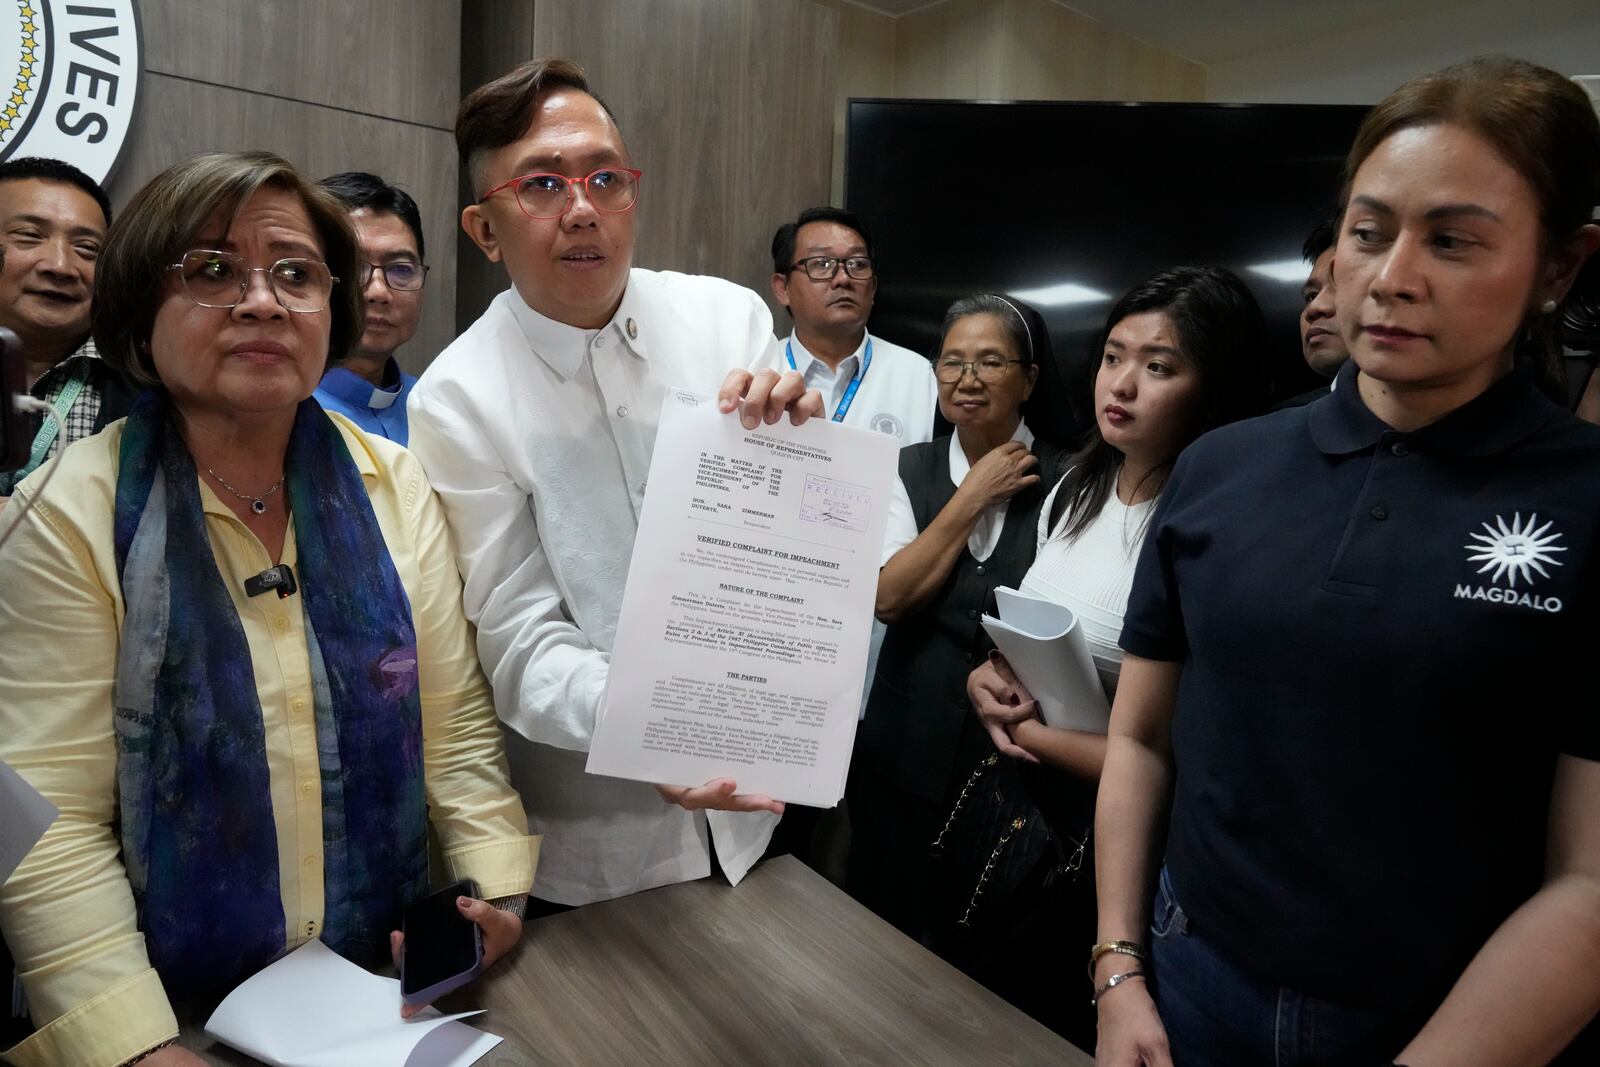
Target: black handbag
<point x="1000" y="863"/>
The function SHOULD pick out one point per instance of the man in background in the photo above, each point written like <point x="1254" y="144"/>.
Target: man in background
<point x="824" y="273"/>
<point x="537" y="427"/>
<point x="53" y="220"/>
<point x="1321" y="343"/>
<point x="366" y="384"/>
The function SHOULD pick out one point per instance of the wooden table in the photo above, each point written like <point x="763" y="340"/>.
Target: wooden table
<point x="785" y="969"/>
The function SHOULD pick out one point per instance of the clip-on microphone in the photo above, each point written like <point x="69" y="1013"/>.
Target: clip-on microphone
<point x="280" y="578"/>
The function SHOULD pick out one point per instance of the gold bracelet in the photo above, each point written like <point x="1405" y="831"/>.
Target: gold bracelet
<point x="1112" y="983"/>
<point x="1118" y="947"/>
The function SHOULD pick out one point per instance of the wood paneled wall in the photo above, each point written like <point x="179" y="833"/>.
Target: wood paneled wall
<point x="1032" y="50"/>
<point x="735" y="109"/>
<point x="368" y="85"/>
<point x="496" y="35"/>
<point x="866" y="68"/>
<point x="998" y="50"/>
<point x="726" y="105"/>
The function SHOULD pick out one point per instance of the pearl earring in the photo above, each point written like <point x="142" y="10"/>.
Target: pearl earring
<point x="1547" y="307"/>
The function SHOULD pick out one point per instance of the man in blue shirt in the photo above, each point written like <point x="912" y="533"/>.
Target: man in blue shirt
<point x="366" y="384"/>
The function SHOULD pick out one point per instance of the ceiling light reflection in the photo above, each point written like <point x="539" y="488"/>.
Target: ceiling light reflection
<point x="1288" y="271"/>
<point x="1061" y="295"/>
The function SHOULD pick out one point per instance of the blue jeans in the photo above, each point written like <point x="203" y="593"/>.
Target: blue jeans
<point x="1218" y="1016"/>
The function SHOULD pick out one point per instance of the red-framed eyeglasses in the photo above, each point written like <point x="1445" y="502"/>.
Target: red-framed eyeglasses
<point x="612" y="191"/>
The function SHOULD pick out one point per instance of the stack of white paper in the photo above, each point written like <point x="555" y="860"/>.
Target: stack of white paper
<point x="314" y="1008"/>
<point x="1046" y="649"/>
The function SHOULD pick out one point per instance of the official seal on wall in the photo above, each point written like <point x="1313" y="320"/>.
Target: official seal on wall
<point x="70" y="78"/>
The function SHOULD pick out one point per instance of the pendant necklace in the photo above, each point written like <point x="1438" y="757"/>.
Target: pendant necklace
<point x="258" y="504"/>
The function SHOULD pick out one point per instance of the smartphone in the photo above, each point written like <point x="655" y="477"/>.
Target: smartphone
<point x="443" y="949"/>
<point x="16" y="436"/>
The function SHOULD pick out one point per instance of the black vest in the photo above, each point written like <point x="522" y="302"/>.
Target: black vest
<point x="920" y="731"/>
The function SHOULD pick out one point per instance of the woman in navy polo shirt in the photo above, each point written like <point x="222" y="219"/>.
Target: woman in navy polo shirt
<point x="1359" y="645"/>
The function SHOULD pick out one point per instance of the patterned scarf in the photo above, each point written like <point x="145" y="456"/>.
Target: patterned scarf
<point x="198" y="837"/>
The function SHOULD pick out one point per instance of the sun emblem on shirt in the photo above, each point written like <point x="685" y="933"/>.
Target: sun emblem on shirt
<point x="1516" y="550"/>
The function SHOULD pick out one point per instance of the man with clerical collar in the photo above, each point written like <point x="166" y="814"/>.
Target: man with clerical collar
<point x="536" y="428"/>
<point x="366" y="384"/>
<point x="824" y="273"/>
<point x="53" y="220"/>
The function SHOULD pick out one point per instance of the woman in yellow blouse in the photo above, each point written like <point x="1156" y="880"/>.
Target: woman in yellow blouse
<point x="241" y="765"/>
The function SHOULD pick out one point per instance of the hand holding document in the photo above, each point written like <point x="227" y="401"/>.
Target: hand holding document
<point x="1046" y="649"/>
<point x="314" y="1008"/>
<point x="742" y="642"/>
<point x="24" y="817"/>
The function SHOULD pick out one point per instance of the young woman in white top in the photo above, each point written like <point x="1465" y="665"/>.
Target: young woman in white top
<point x="1181" y="354"/>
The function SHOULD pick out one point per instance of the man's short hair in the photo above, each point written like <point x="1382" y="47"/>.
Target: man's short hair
<point x="1319" y="240"/>
<point x="56" y="170"/>
<point x="359" y="189"/>
<point x="784" y="240"/>
<point x="499" y="112"/>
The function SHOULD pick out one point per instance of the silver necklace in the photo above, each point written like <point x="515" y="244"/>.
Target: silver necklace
<point x="258" y="504"/>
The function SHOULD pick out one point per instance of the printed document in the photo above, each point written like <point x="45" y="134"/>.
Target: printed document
<point x="742" y="643"/>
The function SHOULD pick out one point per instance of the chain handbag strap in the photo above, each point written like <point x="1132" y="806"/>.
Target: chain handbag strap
<point x="1016" y="824"/>
<point x="1075" y="864"/>
<point x="938" y="842"/>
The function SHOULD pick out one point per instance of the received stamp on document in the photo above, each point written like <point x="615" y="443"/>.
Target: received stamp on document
<point x="832" y="502"/>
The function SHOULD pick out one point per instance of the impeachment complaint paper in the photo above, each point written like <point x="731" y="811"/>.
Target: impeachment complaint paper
<point x="742" y="642"/>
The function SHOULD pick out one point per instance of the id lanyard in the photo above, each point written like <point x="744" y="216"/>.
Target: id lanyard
<point x="53" y="426"/>
<point x="855" y="383"/>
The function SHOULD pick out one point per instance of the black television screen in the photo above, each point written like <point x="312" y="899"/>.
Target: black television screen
<point x="1068" y="205"/>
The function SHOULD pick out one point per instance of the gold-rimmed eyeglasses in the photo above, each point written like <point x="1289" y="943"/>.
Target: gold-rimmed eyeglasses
<point x="989" y="369"/>
<point x="216" y="279"/>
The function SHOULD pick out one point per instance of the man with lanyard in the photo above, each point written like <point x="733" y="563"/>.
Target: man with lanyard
<point x="366" y="384"/>
<point x="53" y="220"/>
<point x="824" y="274"/>
<point x="536" y="427"/>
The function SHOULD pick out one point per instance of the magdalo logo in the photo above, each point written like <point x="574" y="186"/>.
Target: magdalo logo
<point x="1513" y="553"/>
<point x="70" y="77"/>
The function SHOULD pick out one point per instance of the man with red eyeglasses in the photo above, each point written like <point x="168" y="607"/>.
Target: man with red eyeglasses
<point x="536" y="427"/>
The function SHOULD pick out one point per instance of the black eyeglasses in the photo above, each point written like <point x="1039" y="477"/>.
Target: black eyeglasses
<point x="823" y="268"/>
<point x="989" y="369"/>
<point x="401" y="277"/>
